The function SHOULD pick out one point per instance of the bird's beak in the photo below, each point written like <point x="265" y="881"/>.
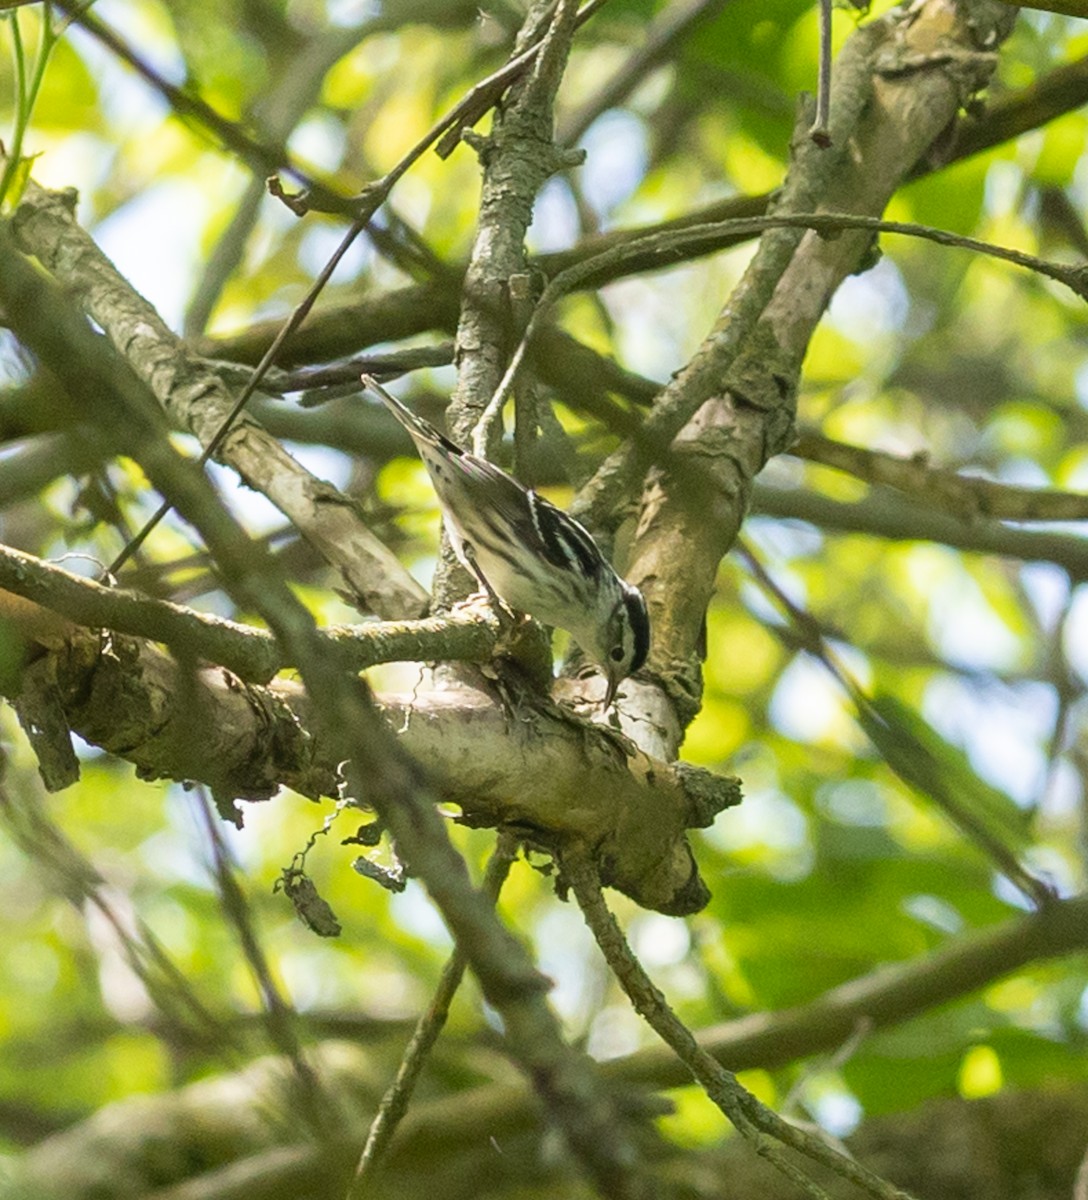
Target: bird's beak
<point x="610" y="693"/>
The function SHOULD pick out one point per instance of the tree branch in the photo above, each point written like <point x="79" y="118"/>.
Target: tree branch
<point x="967" y="497"/>
<point x="251" y="653"/>
<point x="742" y="381"/>
<point x="748" y="1115"/>
<point x="379" y="773"/>
<point x="886" y="516"/>
<point x="394" y="1104"/>
<point x="195" y="398"/>
<point x="516" y="158"/>
<point x="245" y="740"/>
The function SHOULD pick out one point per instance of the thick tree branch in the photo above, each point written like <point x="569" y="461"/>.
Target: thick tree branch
<point x="887" y="108"/>
<point x="549" y="774"/>
<point x="517" y="158"/>
<point x="195" y="398"/>
<point x="379" y="772"/>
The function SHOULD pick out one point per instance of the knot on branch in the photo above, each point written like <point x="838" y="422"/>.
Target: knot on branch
<point x="482" y="144"/>
<point x="708" y="794"/>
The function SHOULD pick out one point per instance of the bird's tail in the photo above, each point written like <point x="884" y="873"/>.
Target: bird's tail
<point x="420" y="430"/>
<point x="415" y="425"/>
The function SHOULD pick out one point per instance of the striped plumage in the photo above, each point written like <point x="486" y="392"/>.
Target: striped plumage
<point x="532" y="555"/>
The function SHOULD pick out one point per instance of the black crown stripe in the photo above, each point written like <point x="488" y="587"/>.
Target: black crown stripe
<point x="639" y="620"/>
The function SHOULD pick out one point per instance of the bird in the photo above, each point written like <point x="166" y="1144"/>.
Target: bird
<point x="529" y="555"/>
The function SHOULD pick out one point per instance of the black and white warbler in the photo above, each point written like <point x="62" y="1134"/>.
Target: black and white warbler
<point x="529" y="554"/>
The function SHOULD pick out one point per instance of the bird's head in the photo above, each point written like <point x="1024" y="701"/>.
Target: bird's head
<point x="622" y="639"/>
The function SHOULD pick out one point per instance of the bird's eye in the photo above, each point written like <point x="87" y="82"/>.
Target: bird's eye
<point x="616" y="654"/>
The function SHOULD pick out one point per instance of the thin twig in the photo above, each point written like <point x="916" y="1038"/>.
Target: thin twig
<point x="278" y="1016"/>
<point x="910" y="763"/>
<point x="394" y="1103"/>
<point x="251" y="653"/>
<point x="384" y="367"/>
<point x="372" y="197"/>
<point x="669" y="244"/>
<point x="752" y="1119"/>
<point x="820" y="131"/>
<point x="1067" y="691"/>
<point x="763" y="1127"/>
<point x="296" y="87"/>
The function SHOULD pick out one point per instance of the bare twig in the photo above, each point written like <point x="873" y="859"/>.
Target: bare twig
<point x="820" y="132"/>
<point x="394" y="1103"/>
<point x="899" y="748"/>
<point x="752" y="1119"/>
<point x="251" y="653"/>
<point x="295" y="87"/>
<point x="379" y="771"/>
<point x="383" y="366"/>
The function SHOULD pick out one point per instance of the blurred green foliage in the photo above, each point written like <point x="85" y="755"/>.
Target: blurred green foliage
<point x="833" y="866"/>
